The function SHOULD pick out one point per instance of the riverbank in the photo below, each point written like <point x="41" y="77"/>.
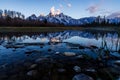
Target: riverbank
<point x="54" y="29"/>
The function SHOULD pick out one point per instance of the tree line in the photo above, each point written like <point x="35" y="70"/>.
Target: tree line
<point x="12" y="18"/>
<point x="101" y="22"/>
<point x="18" y="22"/>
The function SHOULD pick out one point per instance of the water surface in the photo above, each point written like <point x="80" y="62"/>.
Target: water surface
<point x="20" y="48"/>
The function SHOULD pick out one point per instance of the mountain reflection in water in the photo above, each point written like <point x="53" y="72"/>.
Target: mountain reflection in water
<point x="104" y="40"/>
<point x="95" y="52"/>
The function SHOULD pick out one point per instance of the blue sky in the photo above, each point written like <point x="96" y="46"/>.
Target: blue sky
<point x="73" y="8"/>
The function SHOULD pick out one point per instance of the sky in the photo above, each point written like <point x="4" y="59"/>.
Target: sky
<point x="74" y="8"/>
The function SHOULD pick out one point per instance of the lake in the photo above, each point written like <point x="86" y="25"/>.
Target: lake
<point x="63" y="55"/>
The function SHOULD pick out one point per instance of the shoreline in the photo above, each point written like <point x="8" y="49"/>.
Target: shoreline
<point x="54" y="29"/>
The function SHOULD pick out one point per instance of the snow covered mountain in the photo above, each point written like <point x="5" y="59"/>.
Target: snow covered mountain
<point x="62" y="19"/>
<point x="67" y="20"/>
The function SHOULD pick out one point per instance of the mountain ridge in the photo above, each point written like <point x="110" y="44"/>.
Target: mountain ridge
<point x="67" y="20"/>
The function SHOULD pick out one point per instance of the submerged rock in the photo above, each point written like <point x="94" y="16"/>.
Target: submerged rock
<point x="14" y="46"/>
<point x="117" y="62"/>
<point x="77" y="69"/>
<point x="61" y="70"/>
<point x="32" y="51"/>
<point x="79" y="56"/>
<point x="33" y="66"/>
<point x="40" y="60"/>
<point x="90" y="70"/>
<point x="32" y="73"/>
<point x="27" y="64"/>
<point x="3" y="66"/>
<point x="82" y="77"/>
<point x="69" y="54"/>
<point x="57" y="53"/>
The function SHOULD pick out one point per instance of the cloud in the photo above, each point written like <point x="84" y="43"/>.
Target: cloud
<point x="96" y="7"/>
<point x="113" y="15"/>
<point x="55" y="12"/>
<point x="69" y="5"/>
<point x="93" y="8"/>
<point x="52" y="10"/>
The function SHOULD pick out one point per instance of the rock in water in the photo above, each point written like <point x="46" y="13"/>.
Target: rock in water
<point x="61" y="70"/>
<point x="69" y="54"/>
<point x="90" y="70"/>
<point x="39" y="60"/>
<point x="57" y="53"/>
<point x="33" y="66"/>
<point x="77" y="69"/>
<point x="32" y="73"/>
<point x="82" y="77"/>
<point x="117" y="62"/>
<point x="79" y="56"/>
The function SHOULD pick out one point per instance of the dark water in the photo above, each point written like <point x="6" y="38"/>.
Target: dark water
<point x="100" y="53"/>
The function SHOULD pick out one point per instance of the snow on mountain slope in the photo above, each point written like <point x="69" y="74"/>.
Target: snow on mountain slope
<point x="67" y="20"/>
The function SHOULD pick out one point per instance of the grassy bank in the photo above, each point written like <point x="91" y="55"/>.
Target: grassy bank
<point x="36" y="29"/>
<point x="54" y="29"/>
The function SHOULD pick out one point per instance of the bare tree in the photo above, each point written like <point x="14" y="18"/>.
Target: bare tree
<point x="1" y="12"/>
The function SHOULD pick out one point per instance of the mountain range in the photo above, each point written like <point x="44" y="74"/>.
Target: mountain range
<point x="67" y="20"/>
